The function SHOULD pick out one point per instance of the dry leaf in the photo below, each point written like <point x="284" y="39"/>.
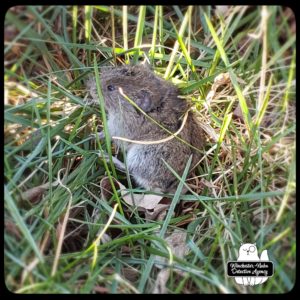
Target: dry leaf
<point x="161" y="282"/>
<point x="34" y="195"/>
<point x="12" y="229"/>
<point x="149" y="204"/>
<point x="140" y="200"/>
<point x="221" y="79"/>
<point x="158" y="213"/>
<point x="130" y="274"/>
<point x="176" y="242"/>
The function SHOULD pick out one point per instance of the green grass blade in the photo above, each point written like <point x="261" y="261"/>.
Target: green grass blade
<point x="176" y="45"/>
<point x="265" y="102"/>
<point x="139" y="31"/>
<point x="289" y="82"/>
<point x="72" y="57"/>
<point x="154" y="36"/>
<point x="242" y="100"/>
<point x="125" y="30"/>
<point x="291" y="186"/>
<point x="20" y="222"/>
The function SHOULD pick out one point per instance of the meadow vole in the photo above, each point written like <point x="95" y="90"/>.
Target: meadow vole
<point x="159" y="99"/>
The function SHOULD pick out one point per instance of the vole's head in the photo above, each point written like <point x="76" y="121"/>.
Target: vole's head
<point x="150" y="92"/>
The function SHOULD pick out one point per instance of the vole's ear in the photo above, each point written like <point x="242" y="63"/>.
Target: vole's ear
<point x="144" y="100"/>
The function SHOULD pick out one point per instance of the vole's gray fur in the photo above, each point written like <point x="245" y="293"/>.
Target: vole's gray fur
<point x="159" y="99"/>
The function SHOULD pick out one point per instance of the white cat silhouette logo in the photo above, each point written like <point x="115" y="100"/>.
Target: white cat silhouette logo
<point x="248" y="252"/>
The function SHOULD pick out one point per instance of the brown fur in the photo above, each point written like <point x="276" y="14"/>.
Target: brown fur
<point x="159" y="99"/>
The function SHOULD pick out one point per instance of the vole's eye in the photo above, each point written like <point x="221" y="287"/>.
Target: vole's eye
<point x="111" y="88"/>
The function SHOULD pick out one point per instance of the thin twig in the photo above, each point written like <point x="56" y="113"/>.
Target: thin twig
<point x="63" y="228"/>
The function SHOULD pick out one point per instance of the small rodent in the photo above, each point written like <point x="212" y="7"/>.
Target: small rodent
<point x="159" y="99"/>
